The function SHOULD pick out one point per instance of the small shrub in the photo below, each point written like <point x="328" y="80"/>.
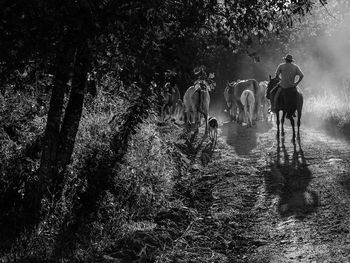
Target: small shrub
<point x="148" y="170"/>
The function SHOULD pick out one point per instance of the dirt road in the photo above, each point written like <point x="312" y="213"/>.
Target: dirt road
<point x="303" y="203"/>
<point x="272" y="201"/>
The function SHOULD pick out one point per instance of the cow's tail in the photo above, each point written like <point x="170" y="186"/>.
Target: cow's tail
<point x="228" y="98"/>
<point x="246" y="105"/>
<point x="201" y="100"/>
<point x="229" y="104"/>
<point x="256" y="88"/>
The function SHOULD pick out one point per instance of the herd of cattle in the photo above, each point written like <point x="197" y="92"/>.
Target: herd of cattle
<point x="245" y="102"/>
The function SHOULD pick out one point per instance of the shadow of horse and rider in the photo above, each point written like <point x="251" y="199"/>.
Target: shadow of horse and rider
<point x="289" y="178"/>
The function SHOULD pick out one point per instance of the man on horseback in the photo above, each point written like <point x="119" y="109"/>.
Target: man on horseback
<point x="287" y="86"/>
<point x="170" y="94"/>
<point x="170" y="86"/>
<point x="201" y="76"/>
<point x="203" y="80"/>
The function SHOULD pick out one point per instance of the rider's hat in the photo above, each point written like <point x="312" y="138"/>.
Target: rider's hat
<point x="289" y="57"/>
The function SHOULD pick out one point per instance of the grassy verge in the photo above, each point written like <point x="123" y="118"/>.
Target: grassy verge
<point x="105" y="212"/>
<point x="330" y="112"/>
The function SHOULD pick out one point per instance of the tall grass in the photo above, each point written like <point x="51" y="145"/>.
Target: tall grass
<point x="128" y="196"/>
<point x="329" y="107"/>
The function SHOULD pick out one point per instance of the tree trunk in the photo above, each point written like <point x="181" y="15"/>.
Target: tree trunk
<point x="48" y="163"/>
<point x="74" y="109"/>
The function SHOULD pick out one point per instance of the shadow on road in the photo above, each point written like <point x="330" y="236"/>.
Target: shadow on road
<point x="243" y="138"/>
<point x="208" y="151"/>
<point x="196" y="144"/>
<point x="289" y="178"/>
<point x="346" y="182"/>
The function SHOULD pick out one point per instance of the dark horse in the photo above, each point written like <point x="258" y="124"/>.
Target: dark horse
<point x="282" y="106"/>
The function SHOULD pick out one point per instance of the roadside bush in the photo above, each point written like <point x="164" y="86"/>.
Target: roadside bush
<point x="103" y="199"/>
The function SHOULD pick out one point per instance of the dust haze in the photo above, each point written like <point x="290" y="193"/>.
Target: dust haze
<point x="320" y="44"/>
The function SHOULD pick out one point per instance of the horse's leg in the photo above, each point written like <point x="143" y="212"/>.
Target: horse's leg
<point x="197" y="119"/>
<point x="282" y="121"/>
<point x="248" y="116"/>
<point x="166" y="113"/>
<point x="245" y="114"/>
<point x="256" y="107"/>
<point x="171" y="111"/>
<point x="241" y="116"/>
<point x="265" y="116"/>
<point x="206" y="122"/>
<point x="298" y="123"/>
<point x="234" y="111"/>
<point x="293" y="124"/>
<point x="187" y="119"/>
<point x="232" y="118"/>
<point x="278" y="123"/>
<point x="241" y="112"/>
<point x="251" y="118"/>
<point x="190" y="119"/>
<point x="162" y="114"/>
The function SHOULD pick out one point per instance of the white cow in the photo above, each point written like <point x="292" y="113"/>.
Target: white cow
<point x="196" y="102"/>
<point x="248" y="102"/>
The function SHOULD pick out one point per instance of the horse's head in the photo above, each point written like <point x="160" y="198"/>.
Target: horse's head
<point x="227" y="95"/>
<point x="166" y="92"/>
<point x="203" y="85"/>
<point x="230" y="84"/>
<point x="272" y="83"/>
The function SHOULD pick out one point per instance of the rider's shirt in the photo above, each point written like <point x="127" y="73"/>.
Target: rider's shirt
<point x="288" y="72"/>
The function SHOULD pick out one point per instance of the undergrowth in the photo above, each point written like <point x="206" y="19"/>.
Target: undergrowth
<point x="105" y="206"/>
